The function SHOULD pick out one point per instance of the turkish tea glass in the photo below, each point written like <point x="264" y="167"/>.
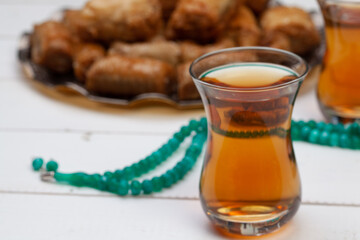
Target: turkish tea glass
<point x="249" y="183"/>
<point x="338" y="89"/>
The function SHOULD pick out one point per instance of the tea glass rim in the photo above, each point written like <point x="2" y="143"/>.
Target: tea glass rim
<point x="249" y="89"/>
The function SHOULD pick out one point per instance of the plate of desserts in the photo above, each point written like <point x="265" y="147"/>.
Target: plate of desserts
<point x="130" y="52"/>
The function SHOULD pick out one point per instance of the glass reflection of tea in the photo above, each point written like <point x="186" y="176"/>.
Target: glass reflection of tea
<point x="339" y="83"/>
<point x="249" y="183"/>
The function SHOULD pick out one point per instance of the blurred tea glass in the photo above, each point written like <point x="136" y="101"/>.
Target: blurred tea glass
<point x="339" y="84"/>
<point x="250" y="183"/>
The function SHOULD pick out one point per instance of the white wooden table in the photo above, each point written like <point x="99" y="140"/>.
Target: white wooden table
<point x="96" y="138"/>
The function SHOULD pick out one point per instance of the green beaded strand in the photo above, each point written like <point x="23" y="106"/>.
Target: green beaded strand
<point x="327" y="134"/>
<point x="123" y="181"/>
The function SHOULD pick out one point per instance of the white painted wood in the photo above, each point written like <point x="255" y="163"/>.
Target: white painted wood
<point x="60" y="217"/>
<point x="16" y="19"/>
<point x="41" y="2"/>
<point x="58" y="111"/>
<point x="9" y="67"/>
<point x="90" y="153"/>
<point x="328" y="175"/>
<point x="51" y="110"/>
<point x="94" y="137"/>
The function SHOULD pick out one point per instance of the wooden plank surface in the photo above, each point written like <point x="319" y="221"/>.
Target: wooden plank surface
<point x="329" y="175"/>
<point x="35" y="121"/>
<point x="44" y="217"/>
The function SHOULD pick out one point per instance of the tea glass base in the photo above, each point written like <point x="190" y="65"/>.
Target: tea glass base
<point x="342" y="114"/>
<point x="254" y="225"/>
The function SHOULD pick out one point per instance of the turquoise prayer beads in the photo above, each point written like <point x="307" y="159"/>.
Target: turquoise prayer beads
<point x="123" y="181"/>
<point x="327" y="134"/>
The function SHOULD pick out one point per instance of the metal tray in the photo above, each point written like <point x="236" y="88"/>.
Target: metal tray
<point x="68" y="82"/>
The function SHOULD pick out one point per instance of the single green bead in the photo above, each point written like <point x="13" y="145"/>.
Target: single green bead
<point x="185" y="130"/>
<point x="334" y="139"/>
<point x="314" y="136"/>
<point x="339" y="128"/>
<point x="329" y="128"/>
<point x="165" y="151"/>
<point x="137" y="169"/>
<point x="355" y="142"/>
<point x="305" y="132"/>
<point x="174" y="143"/>
<point x="147" y="186"/>
<point x="301" y="123"/>
<point x="196" y="148"/>
<point x="63" y="177"/>
<point x="348" y="128"/>
<point x="193" y="124"/>
<point x="189" y="161"/>
<point x="129" y="173"/>
<point x="94" y="180"/>
<point x="311" y="124"/>
<point x="180" y="168"/>
<point x="157" y="184"/>
<point x="167" y="180"/>
<point x="174" y="175"/>
<point x="203" y="122"/>
<point x="191" y="152"/>
<point x="87" y="180"/>
<point x="295" y="133"/>
<point x="123" y="188"/>
<point x="37" y="164"/>
<point x="320" y="125"/>
<point x="119" y="174"/>
<point x="108" y="174"/>
<point x="52" y="166"/>
<point x="152" y="162"/>
<point x="179" y="136"/>
<point x="102" y="184"/>
<point x="344" y="141"/>
<point x="324" y="138"/>
<point x="113" y="185"/>
<point x="355" y="128"/>
<point x="77" y="179"/>
<point x="135" y="187"/>
<point x="158" y="156"/>
<point x="144" y="165"/>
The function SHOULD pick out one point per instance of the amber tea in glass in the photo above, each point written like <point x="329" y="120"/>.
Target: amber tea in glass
<point x="339" y="84"/>
<point x="249" y="183"/>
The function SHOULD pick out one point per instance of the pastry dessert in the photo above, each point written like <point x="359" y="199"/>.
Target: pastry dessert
<point x="52" y="46"/>
<point x="121" y="76"/>
<point x="199" y="20"/>
<point x="123" y="48"/>
<point x="292" y="23"/>
<point x="85" y="55"/>
<point x="124" y="20"/>
<point x="186" y="89"/>
<point x="243" y="27"/>
<point x="258" y="6"/>
<point x="167" y="51"/>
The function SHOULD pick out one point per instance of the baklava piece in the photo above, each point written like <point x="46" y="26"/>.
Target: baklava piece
<point x="166" y="51"/>
<point x="124" y="20"/>
<point x="127" y="77"/>
<point x="199" y="20"/>
<point x="85" y="55"/>
<point x="52" y="46"/>
<point x="244" y="28"/>
<point x="293" y="23"/>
